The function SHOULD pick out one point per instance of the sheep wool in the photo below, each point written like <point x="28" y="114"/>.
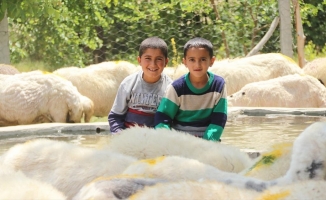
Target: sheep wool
<point x="301" y="190"/>
<point x="15" y="185"/>
<point x="317" y="69"/>
<point x="66" y="166"/>
<point x="176" y="168"/>
<point x="144" y="142"/>
<point x="115" y="188"/>
<point x="193" y="190"/>
<point x="291" y="91"/>
<point x="8" y="69"/>
<point x="99" y="82"/>
<point x="241" y="71"/>
<point x="169" y="71"/>
<point x="271" y="164"/>
<point x="307" y="163"/>
<point x="36" y="97"/>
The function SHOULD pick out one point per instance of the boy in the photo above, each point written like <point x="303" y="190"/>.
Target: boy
<point x="139" y="94"/>
<point x="196" y="102"/>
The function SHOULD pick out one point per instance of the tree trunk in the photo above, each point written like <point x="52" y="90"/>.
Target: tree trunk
<point x="227" y="50"/>
<point x="300" y="35"/>
<point x="266" y="37"/>
<point x="285" y="27"/>
<point x="4" y="41"/>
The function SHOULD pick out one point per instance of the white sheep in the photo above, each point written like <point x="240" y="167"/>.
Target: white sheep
<point x="292" y="91"/>
<point x="307" y="163"/>
<point x="99" y="82"/>
<point x="8" y="69"/>
<point x="117" y="187"/>
<point x="179" y="71"/>
<point x="66" y="166"/>
<point x="170" y="71"/>
<point x="36" y="97"/>
<point x="241" y="71"/>
<point x="15" y="185"/>
<point x="193" y="190"/>
<point x="144" y="142"/>
<point x="317" y="69"/>
<point x="301" y="190"/>
<point x="271" y="164"/>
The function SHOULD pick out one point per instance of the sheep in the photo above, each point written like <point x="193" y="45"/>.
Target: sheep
<point x="66" y="166"/>
<point x="8" y="69"/>
<point x="292" y="91"/>
<point x="301" y="190"/>
<point x="169" y="71"/>
<point x="144" y="142"/>
<point x="307" y="163"/>
<point x="271" y="164"/>
<point x="99" y="82"/>
<point x="37" y="97"/>
<point x="193" y="190"/>
<point x="317" y="69"/>
<point x="15" y="185"/>
<point x="117" y="187"/>
<point x="179" y="71"/>
<point x="241" y="71"/>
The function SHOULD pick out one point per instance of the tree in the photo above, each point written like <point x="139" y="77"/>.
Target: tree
<point x="4" y="42"/>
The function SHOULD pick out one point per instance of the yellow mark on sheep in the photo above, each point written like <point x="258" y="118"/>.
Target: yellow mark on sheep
<point x="276" y="196"/>
<point x="153" y="161"/>
<point x="269" y="158"/>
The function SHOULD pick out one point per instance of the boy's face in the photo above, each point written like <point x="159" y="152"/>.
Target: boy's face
<point x="152" y="63"/>
<point x="198" y="61"/>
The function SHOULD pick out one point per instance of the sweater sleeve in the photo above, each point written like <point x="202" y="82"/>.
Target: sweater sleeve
<point x="218" y="119"/>
<point x="116" y="117"/>
<point x="167" y="109"/>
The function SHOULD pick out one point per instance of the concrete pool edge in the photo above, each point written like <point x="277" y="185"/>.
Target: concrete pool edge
<point x="104" y="126"/>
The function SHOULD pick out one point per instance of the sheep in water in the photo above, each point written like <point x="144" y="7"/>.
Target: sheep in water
<point x="15" y="185"/>
<point x="144" y="142"/>
<point x="116" y="187"/>
<point x="37" y="97"/>
<point x="99" y="82"/>
<point x="8" y="69"/>
<point x="307" y="163"/>
<point x="292" y="91"/>
<point x="65" y="166"/>
<point x="193" y="190"/>
<point x="271" y="164"/>
<point x="186" y="177"/>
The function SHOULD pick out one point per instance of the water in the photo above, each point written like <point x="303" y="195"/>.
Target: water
<point x="248" y="131"/>
<point x="258" y="133"/>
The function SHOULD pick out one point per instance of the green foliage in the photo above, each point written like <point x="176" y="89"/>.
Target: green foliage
<point x="311" y="52"/>
<point x="314" y="24"/>
<point x="79" y="32"/>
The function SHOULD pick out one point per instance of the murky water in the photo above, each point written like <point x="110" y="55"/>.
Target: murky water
<point x="249" y="133"/>
<point x="258" y="133"/>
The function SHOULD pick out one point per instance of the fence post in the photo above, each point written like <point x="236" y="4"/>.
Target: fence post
<point x="4" y="41"/>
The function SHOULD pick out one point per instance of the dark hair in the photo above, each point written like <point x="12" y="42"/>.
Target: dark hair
<point x="198" y="42"/>
<point x="153" y="43"/>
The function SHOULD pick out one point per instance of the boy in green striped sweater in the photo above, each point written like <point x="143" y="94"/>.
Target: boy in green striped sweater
<point x="196" y="102"/>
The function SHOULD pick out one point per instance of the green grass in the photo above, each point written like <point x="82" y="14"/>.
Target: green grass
<point x="28" y="65"/>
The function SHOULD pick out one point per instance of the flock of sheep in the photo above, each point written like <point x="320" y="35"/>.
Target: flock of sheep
<point x="71" y="93"/>
<point x="134" y="165"/>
